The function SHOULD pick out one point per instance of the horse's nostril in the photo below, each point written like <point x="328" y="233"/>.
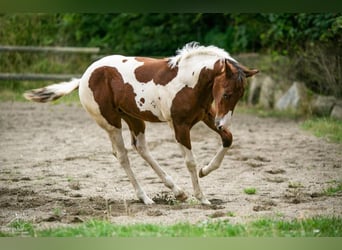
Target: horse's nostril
<point x="217" y="123"/>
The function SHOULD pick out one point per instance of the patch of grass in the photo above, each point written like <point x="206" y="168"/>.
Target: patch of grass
<point x="297" y="228"/>
<point x="230" y="214"/>
<point x="57" y="211"/>
<point x="250" y="191"/>
<point x="264" y="113"/>
<point x="312" y="227"/>
<point x="328" y="128"/>
<point x="4" y="234"/>
<point x="23" y="228"/>
<point x="334" y="190"/>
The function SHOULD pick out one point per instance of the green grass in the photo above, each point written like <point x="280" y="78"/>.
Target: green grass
<point x="327" y="128"/>
<point x="24" y="227"/>
<point x="334" y="190"/>
<point x="264" y="113"/>
<point x="250" y="191"/>
<point x="313" y="227"/>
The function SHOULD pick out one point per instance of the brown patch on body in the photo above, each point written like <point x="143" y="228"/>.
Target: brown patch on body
<point x="157" y="70"/>
<point x="115" y="98"/>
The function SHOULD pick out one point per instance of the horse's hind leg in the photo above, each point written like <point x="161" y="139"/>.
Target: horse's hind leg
<point x="137" y="128"/>
<point x="120" y="152"/>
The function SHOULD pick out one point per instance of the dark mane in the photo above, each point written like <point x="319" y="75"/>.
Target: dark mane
<point x="240" y="73"/>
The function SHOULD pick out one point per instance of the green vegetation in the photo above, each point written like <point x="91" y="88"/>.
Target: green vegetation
<point x="24" y="227"/>
<point x="159" y="34"/>
<point x="309" y="43"/>
<point x="283" y="114"/>
<point x="334" y="190"/>
<point x="230" y="214"/>
<point x="250" y="191"/>
<point x="318" y="227"/>
<point x="328" y="128"/>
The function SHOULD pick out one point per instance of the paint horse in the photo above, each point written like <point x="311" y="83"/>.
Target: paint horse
<point x="199" y="83"/>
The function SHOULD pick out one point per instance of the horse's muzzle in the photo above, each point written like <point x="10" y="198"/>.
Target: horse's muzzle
<point x="218" y="124"/>
<point x="223" y="122"/>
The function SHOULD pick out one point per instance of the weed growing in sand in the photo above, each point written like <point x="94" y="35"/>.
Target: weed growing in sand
<point x="230" y="214"/>
<point x="334" y="190"/>
<point x="23" y="227"/>
<point x="57" y="211"/>
<point x="250" y="191"/>
<point x="295" y="185"/>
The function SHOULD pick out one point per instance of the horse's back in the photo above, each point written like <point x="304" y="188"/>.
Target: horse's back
<point x="123" y="83"/>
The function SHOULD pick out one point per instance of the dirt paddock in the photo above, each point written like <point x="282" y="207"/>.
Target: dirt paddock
<point x="56" y="168"/>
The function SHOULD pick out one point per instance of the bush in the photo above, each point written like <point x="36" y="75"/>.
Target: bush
<point x="320" y="67"/>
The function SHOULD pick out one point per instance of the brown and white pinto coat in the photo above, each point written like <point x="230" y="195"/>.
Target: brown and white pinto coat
<point x="198" y="84"/>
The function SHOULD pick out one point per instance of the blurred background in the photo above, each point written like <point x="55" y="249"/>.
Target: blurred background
<point x="298" y="54"/>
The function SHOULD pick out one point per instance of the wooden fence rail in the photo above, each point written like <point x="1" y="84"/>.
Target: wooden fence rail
<point x="40" y="77"/>
<point x="50" y="49"/>
<point x="37" y="77"/>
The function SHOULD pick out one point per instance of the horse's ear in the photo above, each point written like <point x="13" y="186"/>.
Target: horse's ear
<point x="249" y="72"/>
<point x="228" y="68"/>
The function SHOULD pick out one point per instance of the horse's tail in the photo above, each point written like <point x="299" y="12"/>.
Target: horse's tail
<point x="52" y="92"/>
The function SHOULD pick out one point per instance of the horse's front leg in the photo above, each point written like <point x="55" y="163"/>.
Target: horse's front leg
<point x="182" y="133"/>
<point x="227" y="139"/>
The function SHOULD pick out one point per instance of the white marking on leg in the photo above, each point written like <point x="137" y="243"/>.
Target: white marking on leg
<point x="191" y="165"/>
<point x="215" y="163"/>
<point x="143" y="150"/>
<point x="120" y="152"/>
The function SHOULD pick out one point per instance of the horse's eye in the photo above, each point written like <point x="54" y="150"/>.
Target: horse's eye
<point x="226" y="96"/>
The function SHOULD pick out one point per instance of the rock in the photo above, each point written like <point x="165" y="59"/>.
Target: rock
<point x="294" y="98"/>
<point x="323" y="105"/>
<point x="254" y="90"/>
<point x="266" y="99"/>
<point x="337" y="110"/>
<point x="261" y="91"/>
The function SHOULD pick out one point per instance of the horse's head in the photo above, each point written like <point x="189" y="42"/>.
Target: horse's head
<point x="228" y="88"/>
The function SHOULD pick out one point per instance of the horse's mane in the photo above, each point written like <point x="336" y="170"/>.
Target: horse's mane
<point x="193" y="49"/>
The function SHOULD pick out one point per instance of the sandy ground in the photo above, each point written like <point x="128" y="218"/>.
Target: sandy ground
<point x="56" y="168"/>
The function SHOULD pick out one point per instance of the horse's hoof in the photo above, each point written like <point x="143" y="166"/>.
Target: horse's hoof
<point x="200" y="173"/>
<point x="205" y="201"/>
<point x="182" y="196"/>
<point x="147" y="201"/>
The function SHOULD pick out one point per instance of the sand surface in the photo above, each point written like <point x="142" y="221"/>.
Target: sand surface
<point x="56" y="168"/>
